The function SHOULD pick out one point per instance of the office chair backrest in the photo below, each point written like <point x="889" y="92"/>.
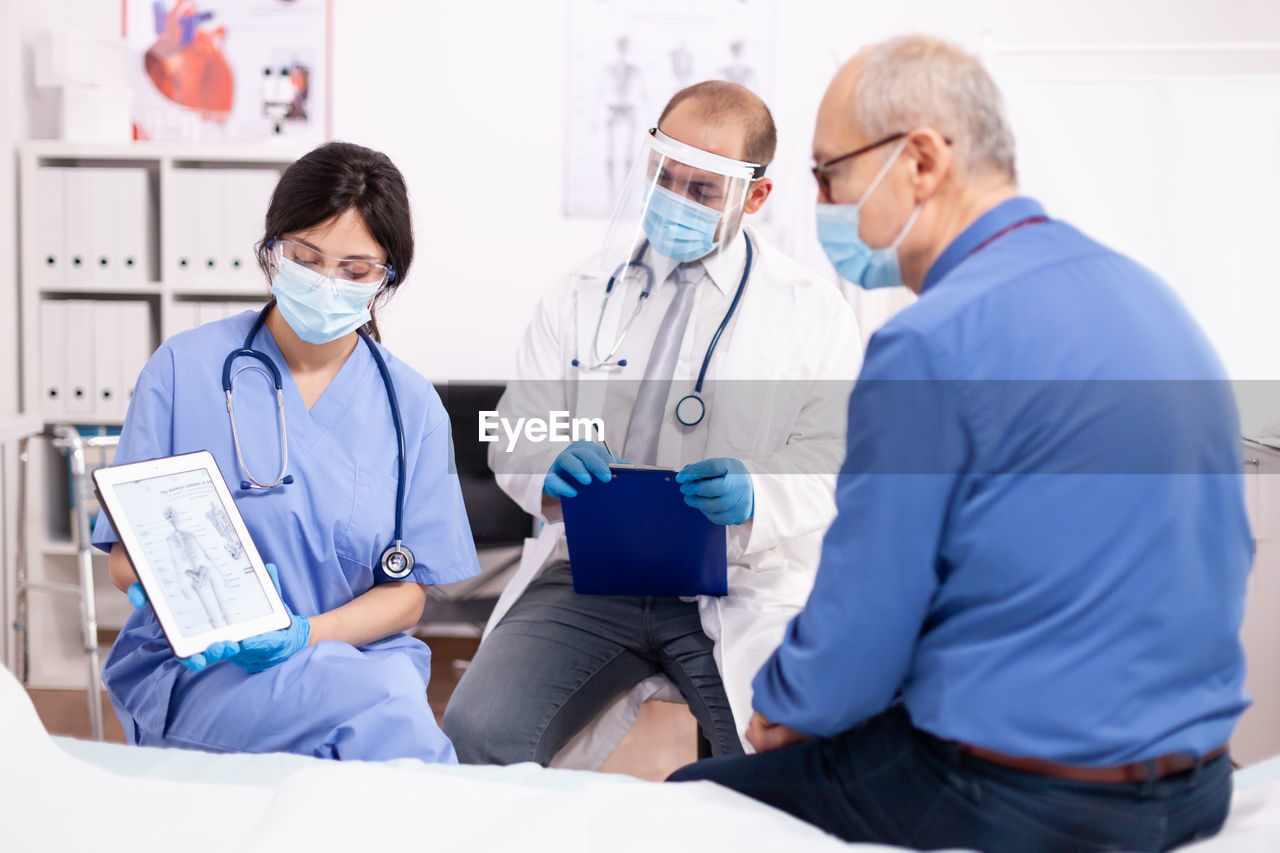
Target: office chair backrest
<point x="496" y="520"/>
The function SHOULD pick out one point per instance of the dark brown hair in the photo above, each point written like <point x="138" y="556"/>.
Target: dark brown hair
<point x="719" y="100"/>
<point x="335" y="178"/>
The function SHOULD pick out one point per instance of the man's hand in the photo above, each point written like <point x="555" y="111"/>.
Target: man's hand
<point x="721" y="488"/>
<point x="764" y="735"/>
<point x="579" y="462"/>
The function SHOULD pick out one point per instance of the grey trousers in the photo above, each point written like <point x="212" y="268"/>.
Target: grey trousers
<point x="557" y="659"/>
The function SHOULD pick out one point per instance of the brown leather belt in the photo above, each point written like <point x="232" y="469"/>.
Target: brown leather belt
<point x="1138" y="771"/>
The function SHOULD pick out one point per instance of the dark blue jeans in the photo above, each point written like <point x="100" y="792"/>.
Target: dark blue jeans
<point x="557" y="659"/>
<point x="888" y="782"/>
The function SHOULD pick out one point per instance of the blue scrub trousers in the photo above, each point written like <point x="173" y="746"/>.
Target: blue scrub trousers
<point x="887" y="782"/>
<point x="330" y="700"/>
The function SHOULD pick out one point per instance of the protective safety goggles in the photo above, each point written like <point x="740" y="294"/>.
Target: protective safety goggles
<point x="353" y="275"/>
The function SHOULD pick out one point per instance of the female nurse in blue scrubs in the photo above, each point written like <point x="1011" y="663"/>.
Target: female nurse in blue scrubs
<point x="345" y="680"/>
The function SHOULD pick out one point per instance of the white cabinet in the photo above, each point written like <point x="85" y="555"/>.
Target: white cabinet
<point x="122" y="245"/>
<point x="1257" y="735"/>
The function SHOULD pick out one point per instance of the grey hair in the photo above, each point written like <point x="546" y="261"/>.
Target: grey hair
<point x="919" y="81"/>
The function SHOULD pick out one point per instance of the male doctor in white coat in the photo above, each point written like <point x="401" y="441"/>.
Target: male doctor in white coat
<point x="681" y="289"/>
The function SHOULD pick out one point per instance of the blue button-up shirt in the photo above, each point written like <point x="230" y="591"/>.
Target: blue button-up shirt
<point x="1041" y="545"/>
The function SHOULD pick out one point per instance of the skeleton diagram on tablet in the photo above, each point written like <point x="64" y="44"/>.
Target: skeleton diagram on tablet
<point x="222" y="524"/>
<point x="195" y="569"/>
<point x="192" y="548"/>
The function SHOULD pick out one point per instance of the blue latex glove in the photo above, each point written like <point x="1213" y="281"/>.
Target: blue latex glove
<point x="721" y="488"/>
<point x="216" y="652"/>
<point x="579" y="461"/>
<point x="266" y="650"/>
<point x="200" y="660"/>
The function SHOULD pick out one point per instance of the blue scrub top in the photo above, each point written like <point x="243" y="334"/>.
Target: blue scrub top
<point x="326" y="532"/>
<point x="1041" y="545"/>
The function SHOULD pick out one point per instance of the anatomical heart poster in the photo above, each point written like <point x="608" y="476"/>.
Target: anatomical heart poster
<point x="229" y="70"/>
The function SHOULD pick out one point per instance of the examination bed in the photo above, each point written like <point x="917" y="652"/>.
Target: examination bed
<point x="64" y="794"/>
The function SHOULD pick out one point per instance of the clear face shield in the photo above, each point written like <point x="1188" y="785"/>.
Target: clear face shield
<point x="679" y="204"/>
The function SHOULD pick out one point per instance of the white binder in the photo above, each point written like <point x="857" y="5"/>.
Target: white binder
<point x="182" y="315"/>
<point x="241" y="305"/>
<point x="134" y="238"/>
<point x="210" y="312"/>
<point x="102" y="224"/>
<point x="53" y="370"/>
<point x="136" y="346"/>
<point x="77" y="206"/>
<point x="265" y="186"/>
<point x="181" y="226"/>
<point x="51" y="223"/>
<point x="107" y="338"/>
<point x="211" y="228"/>
<point x="78" y="346"/>
<point x="249" y="194"/>
<point x="240" y="224"/>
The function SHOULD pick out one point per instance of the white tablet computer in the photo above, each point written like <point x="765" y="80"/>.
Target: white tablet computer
<point x="186" y="539"/>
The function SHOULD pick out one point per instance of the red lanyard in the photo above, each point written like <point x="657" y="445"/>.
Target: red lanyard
<point x="1030" y="220"/>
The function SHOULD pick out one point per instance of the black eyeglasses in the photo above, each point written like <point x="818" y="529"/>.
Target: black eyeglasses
<point x="820" y="171"/>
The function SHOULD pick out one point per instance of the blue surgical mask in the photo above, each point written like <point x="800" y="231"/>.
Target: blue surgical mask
<point x="678" y="228"/>
<point x="320" y="309"/>
<point x="856" y="261"/>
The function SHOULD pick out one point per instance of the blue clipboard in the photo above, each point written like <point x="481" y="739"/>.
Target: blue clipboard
<point x="635" y="535"/>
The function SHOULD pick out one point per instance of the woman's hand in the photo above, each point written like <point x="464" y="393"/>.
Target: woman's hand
<point x="384" y="610"/>
<point x="137" y="595"/>
<point x="123" y="577"/>
<point x="266" y="650"/>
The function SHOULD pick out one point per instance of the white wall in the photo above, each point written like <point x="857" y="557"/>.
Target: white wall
<point x="468" y="99"/>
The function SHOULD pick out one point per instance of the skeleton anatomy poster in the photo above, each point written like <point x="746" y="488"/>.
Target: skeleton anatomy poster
<point x="626" y="58"/>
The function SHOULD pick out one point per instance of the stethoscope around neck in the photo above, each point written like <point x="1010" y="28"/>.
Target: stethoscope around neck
<point x="690" y="409"/>
<point x="397" y="560"/>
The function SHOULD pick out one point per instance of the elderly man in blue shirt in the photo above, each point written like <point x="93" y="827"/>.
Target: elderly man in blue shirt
<point x="1023" y="633"/>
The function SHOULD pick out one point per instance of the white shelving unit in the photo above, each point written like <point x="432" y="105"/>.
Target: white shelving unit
<point x="121" y="246"/>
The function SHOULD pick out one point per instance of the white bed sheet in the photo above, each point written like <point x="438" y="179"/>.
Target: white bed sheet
<point x="63" y="794"/>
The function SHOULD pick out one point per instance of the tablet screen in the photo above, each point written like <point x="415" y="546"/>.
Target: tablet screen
<point x="190" y="544"/>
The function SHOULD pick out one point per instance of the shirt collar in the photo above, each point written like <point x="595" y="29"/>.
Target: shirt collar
<point x="724" y="267"/>
<point x="997" y="219"/>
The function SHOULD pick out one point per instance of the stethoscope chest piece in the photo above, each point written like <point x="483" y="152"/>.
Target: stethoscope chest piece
<point x="397" y="561"/>
<point x="691" y="410"/>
